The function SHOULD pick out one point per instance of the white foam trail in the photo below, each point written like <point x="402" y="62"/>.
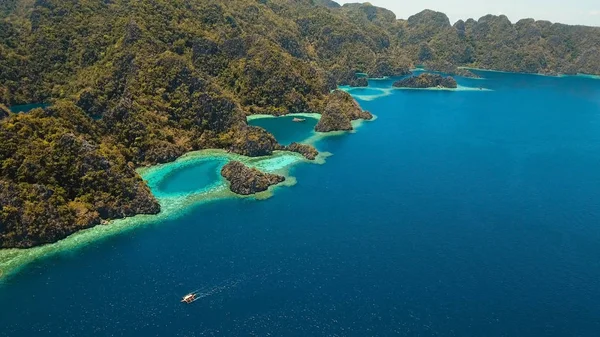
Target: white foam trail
<point x="207" y="291"/>
<point x="216" y="289"/>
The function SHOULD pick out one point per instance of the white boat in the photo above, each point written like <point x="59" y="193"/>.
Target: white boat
<point x="189" y="298"/>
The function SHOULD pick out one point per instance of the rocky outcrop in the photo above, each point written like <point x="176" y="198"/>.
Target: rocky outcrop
<point x="429" y="18"/>
<point x="464" y="73"/>
<point x="4" y="111"/>
<point x="65" y="183"/>
<point x="359" y="82"/>
<point x="340" y="110"/>
<point x="253" y="141"/>
<point x="425" y="25"/>
<point x="247" y="181"/>
<point x="450" y="69"/>
<point x="327" y="3"/>
<point x="427" y="81"/>
<point x="345" y="76"/>
<point x="388" y="67"/>
<point x="170" y="87"/>
<point x="333" y="119"/>
<point x="308" y="151"/>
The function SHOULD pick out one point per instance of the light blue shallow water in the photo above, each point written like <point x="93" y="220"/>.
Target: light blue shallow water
<point x="190" y="178"/>
<point x="27" y="107"/>
<point x="453" y="214"/>
<point x="285" y="129"/>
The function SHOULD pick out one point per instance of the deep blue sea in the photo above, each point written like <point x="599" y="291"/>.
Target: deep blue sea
<point x="467" y="213"/>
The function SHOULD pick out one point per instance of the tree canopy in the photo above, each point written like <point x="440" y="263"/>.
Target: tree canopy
<point x="137" y="83"/>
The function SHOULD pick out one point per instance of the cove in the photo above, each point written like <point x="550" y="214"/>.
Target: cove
<point x="191" y="178"/>
<point x="285" y="129"/>
<point x="27" y="107"/>
<point x="456" y="213"/>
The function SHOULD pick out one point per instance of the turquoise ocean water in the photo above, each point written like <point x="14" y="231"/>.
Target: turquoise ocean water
<point x="465" y="213"/>
<point x="285" y="129"/>
<point x="27" y="107"/>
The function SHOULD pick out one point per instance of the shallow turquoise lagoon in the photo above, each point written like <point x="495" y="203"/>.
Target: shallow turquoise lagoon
<point x="191" y="177"/>
<point x="285" y="129"/>
<point x="27" y="107"/>
<point x="455" y="213"/>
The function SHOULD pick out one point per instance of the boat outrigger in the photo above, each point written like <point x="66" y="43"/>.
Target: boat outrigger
<point x="189" y="298"/>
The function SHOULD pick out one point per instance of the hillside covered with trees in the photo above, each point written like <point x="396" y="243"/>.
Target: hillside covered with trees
<point x="136" y="83"/>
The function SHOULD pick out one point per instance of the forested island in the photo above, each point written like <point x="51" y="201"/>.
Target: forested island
<point x="244" y="180"/>
<point x="426" y="80"/>
<point x="137" y="83"/>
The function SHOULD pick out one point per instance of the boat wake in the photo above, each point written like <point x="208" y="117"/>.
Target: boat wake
<point x="211" y="290"/>
<point x="215" y="289"/>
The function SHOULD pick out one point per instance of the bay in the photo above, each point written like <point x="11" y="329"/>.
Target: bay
<point x="455" y="213"/>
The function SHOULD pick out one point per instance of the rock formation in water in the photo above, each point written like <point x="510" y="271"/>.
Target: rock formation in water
<point x="426" y="81"/>
<point x="340" y="110"/>
<point x="308" y="151"/>
<point x="246" y="181"/>
<point x="157" y="88"/>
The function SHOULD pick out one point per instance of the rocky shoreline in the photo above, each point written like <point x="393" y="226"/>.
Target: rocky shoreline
<point x="244" y="180"/>
<point x="4" y="111"/>
<point x="427" y="80"/>
<point x="308" y="151"/>
<point x="340" y="110"/>
<point x="450" y="69"/>
<point x="94" y="206"/>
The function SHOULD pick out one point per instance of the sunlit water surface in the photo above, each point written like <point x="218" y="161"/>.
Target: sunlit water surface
<point x="465" y="213"/>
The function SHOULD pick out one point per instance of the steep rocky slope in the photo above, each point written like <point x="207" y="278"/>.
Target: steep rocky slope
<point x="244" y="180"/>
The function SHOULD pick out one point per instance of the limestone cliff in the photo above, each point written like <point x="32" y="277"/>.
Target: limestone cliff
<point x="246" y="181"/>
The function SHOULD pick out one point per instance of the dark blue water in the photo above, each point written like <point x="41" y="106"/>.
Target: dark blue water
<point x="453" y="214"/>
<point x="285" y="129"/>
<point x="191" y="178"/>
<point x="27" y="107"/>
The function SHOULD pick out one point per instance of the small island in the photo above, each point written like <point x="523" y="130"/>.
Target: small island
<point x="308" y="151"/>
<point x="427" y="80"/>
<point x="340" y="110"/>
<point x="247" y="181"/>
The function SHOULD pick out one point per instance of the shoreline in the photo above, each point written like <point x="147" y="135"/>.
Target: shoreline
<point x="459" y="88"/>
<point x="300" y="114"/>
<point x="383" y="92"/>
<point x="580" y="75"/>
<point x="174" y="205"/>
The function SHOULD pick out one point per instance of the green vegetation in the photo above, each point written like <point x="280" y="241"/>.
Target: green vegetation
<point x="244" y="180"/>
<point x="339" y="112"/>
<point x="426" y="80"/>
<point x="446" y="67"/>
<point x="493" y="42"/>
<point x="4" y="111"/>
<point x="137" y="83"/>
<point x="58" y="176"/>
<point x="308" y="151"/>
